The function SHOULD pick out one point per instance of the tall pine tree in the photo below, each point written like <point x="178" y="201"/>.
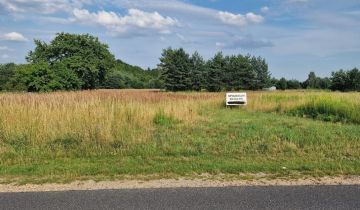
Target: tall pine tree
<point x="215" y="72"/>
<point x="197" y="72"/>
<point x="175" y="65"/>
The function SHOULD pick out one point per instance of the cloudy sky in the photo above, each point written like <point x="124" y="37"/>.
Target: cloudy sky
<point x="295" y="36"/>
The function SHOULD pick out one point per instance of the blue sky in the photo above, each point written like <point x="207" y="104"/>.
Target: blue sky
<point x="295" y="36"/>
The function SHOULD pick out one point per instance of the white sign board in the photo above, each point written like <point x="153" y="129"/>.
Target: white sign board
<point x="236" y="99"/>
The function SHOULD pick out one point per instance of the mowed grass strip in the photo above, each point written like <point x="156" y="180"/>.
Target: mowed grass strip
<point x="104" y="134"/>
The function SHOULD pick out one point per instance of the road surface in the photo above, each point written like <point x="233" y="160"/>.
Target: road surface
<point x="291" y="197"/>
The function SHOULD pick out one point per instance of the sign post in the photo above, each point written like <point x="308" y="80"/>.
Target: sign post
<point x="236" y="99"/>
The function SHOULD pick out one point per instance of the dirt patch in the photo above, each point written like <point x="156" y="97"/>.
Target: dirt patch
<point x="176" y="183"/>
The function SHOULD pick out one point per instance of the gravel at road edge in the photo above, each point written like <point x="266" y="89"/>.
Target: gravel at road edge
<point x="175" y="183"/>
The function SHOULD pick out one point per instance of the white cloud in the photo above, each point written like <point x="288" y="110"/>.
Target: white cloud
<point x="239" y="19"/>
<point x="172" y="6"/>
<point x="5" y="56"/>
<point x="13" y="36"/>
<point x="121" y="24"/>
<point x="264" y="9"/>
<point x="41" y="6"/>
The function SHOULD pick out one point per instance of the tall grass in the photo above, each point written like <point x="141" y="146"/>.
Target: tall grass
<point x="104" y="116"/>
<point x="91" y="117"/>
<point x="109" y="132"/>
<point x="327" y="106"/>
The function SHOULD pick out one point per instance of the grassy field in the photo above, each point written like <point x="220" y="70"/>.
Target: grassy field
<point x="112" y="134"/>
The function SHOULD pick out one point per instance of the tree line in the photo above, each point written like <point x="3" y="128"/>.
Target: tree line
<point x="76" y="62"/>
<point x="342" y="80"/>
<point x="182" y="72"/>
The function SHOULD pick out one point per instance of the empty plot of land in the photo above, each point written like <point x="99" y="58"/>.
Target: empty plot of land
<point x="113" y="134"/>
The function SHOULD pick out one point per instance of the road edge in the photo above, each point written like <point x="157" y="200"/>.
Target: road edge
<point x="175" y="183"/>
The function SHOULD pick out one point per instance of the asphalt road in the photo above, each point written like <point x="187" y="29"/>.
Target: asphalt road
<point x="301" y="197"/>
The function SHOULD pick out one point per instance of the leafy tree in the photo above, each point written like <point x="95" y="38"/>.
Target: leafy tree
<point x="323" y="83"/>
<point x="6" y="73"/>
<point x="354" y="79"/>
<point x="273" y="82"/>
<point x="114" y="81"/>
<point x="40" y="77"/>
<point x="293" y="84"/>
<point x="34" y="78"/>
<point x="282" y="84"/>
<point x="339" y="80"/>
<point x="175" y="65"/>
<point x="83" y="55"/>
<point x="312" y="81"/>
<point x="346" y="80"/>
<point x="68" y="79"/>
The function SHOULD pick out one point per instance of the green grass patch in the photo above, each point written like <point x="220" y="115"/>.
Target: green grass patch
<point x="162" y="119"/>
<point x="329" y="109"/>
<point x="230" y="141"/>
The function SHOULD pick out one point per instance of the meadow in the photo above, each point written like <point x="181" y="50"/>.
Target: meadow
<point x="115" y="134"/>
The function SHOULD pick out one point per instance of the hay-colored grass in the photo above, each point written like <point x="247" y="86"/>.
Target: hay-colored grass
<point x="111" y="133"/>
<point x="93" y="116"/>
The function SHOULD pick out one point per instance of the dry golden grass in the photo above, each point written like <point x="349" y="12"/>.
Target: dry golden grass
<point x="286" y="100"/>
<point x="103" y="116"/>
<point x="93" y="116"/>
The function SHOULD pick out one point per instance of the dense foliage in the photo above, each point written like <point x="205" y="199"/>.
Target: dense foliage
<point x="180" y="71"/>
<point x="82" y="55"/>
<point x="73" y="62"/>
<point x="346" y="80"/>
<point x="312" y="82"/>
<point x="124" y="75"/>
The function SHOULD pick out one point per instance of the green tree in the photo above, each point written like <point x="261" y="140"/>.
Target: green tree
<point x="197" y="71"/>
<point x="339" y="80"/>
<point x="323" y="83"/>
<point x="83" y="55"/>
<point x="41" y="77"/>
<point x="262" y="74"/>
<point x="312" y="81"/>
<point x="247" y="73"/>
<point x="238" y="72"/>
<point x="68" y="79"/>
<point x="282" y="84"/>
<point x="6" y="73"/>
<point x="34" y="78"/>
<point x="293" y="84"/>
<point x="114" y="81"/>
<point x="215" y="68"/>
<point x="175" y="66"/>
<point x="354" y="79"/>
<point x="346" y="80"/>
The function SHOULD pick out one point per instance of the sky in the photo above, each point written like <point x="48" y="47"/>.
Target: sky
<point x="294" y="36"/>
